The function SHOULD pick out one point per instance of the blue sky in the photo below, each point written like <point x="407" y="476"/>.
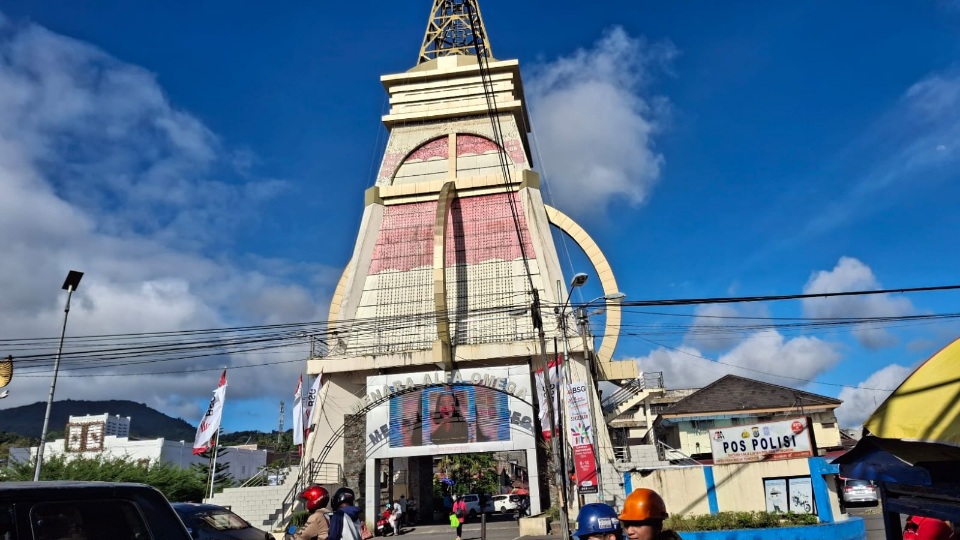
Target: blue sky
<point x="205" y="164"/>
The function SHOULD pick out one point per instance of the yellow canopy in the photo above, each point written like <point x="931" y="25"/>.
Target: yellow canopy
<point x="926" y="407"/>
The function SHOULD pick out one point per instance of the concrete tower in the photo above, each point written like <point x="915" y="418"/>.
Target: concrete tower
<point x="453" y="270"/>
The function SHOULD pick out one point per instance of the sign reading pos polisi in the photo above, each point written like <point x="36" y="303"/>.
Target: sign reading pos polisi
<point x="762" y="441"/>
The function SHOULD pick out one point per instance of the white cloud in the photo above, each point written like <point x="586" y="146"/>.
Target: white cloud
<point x="594" y="126"/>
<point x="851" y="275"/>
<point x="765" y="355"/>
<point x="860" y="402"/>
<point x="714" y="327"/>
<point x="99" y="172"/>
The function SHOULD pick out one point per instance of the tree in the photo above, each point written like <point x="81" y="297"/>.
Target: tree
<point x="175" y="483"/>
<point x="221" y="478"/>
<point x="460" y="474"/>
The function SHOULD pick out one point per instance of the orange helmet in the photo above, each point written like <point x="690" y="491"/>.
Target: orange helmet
<point x="643" y="504"/>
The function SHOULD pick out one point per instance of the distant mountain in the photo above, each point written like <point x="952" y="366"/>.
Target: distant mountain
<point x="145" y="423"/>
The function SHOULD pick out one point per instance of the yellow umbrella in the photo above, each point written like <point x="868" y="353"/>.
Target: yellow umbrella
<point x="926" y="406"/>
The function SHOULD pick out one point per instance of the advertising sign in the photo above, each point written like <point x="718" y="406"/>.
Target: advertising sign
<point x="467" y="410"/>
<point x="581" y="436"/>
<point x="787" y="439"/>
<point x="553" y="368"/>
<point x="801" y="495"/>
<point x="775" y="492"/>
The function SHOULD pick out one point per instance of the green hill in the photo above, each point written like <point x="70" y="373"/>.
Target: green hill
<point x="145" y="423"/>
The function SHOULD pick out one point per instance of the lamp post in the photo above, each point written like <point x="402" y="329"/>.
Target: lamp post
<point x="69" y="285"/>
<point x="578" y="281"/>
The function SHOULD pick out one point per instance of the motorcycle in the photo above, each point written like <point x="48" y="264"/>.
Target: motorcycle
<point x="383" y="527"/>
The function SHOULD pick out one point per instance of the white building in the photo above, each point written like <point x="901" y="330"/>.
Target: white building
<point x="91" y="436"/>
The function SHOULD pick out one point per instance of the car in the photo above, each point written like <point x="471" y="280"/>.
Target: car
<point x="472" y="501"/>
<point x="859" y="491"/>
<point x="505" y="503"/>
<point x="66" y="509"/>
<point x="209" y="521"/>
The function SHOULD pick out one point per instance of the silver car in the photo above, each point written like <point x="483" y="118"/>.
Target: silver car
<point x="859" y="491"/>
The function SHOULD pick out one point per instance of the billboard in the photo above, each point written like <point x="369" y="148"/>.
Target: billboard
<point x="762" y="441"/>
<point x="467" y="410"/>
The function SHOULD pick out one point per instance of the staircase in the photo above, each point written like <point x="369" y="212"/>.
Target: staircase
<point x="630" y="394"/>
<point x="269" y="507"/>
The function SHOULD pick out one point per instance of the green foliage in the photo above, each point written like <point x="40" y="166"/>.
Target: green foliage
<point x="175" y="483"/>
<point x="739" y="520"/>
<point x="221" y="478"/>
<point x="471" y="473"/>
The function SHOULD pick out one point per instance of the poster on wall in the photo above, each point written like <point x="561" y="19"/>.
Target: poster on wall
<point x="801" y="495"/>
<point x="464" y="410"/>
<point x="762" y="441"/>
<point x="775" y="492"/>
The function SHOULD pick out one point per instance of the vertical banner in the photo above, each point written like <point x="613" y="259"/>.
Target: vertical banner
<point x="210" y="422"/>
<point x="310" y="402"/>
<point x="298" y="414"/>
<point x="581" y="436"/>
<point x="553" y="368"/>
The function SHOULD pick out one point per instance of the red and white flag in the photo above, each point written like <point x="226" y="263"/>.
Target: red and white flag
<point x="210" y="423"/>
<point x="310" y="404"/>
<point x="298" y="414"/>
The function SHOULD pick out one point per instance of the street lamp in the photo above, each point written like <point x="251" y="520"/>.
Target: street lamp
<point x="70" y="284"/>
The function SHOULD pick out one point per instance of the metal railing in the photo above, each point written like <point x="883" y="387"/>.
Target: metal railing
<point x="648" y="380"/>
<point x="314" y="472"/>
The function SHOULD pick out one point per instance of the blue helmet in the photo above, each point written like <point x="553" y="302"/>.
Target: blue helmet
<point x="596" y="518"/>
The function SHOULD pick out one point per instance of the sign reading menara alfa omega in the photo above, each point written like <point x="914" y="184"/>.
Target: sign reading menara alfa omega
<point x="762" y="441"/>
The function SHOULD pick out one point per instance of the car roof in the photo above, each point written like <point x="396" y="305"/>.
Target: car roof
<point x="195" y="508"/>
<point x="68" y="484"/>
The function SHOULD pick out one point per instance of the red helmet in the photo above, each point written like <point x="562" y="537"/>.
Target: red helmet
<point x="924" y="528"/>
<point x="315" y="497"/>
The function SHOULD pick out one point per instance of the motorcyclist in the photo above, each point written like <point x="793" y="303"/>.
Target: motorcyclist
<point x="598" y="521"/>
<point x="315" y="499"/>
<point x="924" y="528"/>
<point x="344" y="506"/>
<point x="643" y="514"/>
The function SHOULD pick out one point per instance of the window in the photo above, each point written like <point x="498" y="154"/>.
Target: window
<point x="97" y="519"/>
<point x="829" y="425"/>
<point x="7" y="531"/>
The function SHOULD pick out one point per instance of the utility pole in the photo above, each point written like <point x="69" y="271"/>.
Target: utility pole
<point x="548" y="392"/>
<point x="280" y="427"/>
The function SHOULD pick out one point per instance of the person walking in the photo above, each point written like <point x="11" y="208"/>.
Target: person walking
<point x="460" y="510"/>
<point x="317" y="527"/>
<point x="404" y="519"/>
<point x="643" y="515"/>
<point x="345" y="521"/>
<point x="598" y="521"/>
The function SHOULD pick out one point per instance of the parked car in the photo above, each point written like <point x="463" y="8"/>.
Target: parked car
<point x="40" y="510"/>
<point x="859" y="491"/>
<point x="209" y="521"/>
<point x="507" y="503"/>
<point x="472" y="501"/>
<point x="504" y="504"/>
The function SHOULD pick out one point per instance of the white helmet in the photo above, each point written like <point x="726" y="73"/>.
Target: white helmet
<point x="454" y="497"/>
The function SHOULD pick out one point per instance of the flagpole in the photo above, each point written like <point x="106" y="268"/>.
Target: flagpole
<point x="213" y="467"/>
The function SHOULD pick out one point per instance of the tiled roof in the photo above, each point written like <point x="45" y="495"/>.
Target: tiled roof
<point x="733" y="393"/>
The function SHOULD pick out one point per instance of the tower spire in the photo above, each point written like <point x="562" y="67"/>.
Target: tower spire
<point x="450" y="30"/>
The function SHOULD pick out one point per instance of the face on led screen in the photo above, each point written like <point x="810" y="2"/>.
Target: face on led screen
<point x="454" y="414"/>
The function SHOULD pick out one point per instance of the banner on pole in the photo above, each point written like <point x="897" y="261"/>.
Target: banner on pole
<point x="586" y="466"/>
<point x="553" y="368"/>
<point x="581" y="434"/>
<point x="309" y="404"/>
<point x="210" y="423"/>
<point x="298" y="414"/>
